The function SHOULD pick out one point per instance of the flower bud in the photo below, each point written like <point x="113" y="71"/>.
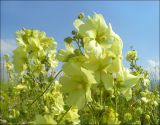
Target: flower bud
<point x="155" y="103"/>
<point x="77" y="52"/>
<point x="21" y="87"/>
<point x="144" y="99"/>
<point x="138" y="102"/>
<point x="139" y="111"/>
<point x="143" y="94"/>
<point x="147" y="117"/>
<point x="10" y="116"/>
<point x="81" y="16"/>
<point x="131" y="55"/>
<point x="6" y="57"/>
<point x="137" y="122"/>
<point x="146" y="82"/>
<point x="127" y="116"/>
<point x="9" y="66"/>
<point x="74" y="32"/>
<point x="27" y="32"/>
<point x="46" y="109"/>
<point x="68" y="40"/>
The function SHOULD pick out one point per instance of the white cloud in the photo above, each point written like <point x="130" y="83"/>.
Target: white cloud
<point x="154" y="69"/>
<point x="153" y="63"/>
<point x="7" y="46"/>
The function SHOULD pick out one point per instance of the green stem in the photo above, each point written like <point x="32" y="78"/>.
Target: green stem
<point x="93" y="113"/>
<point x="79" y="47"/>
<point x="45" y="89"/>
<point x="101" y="94"/>
<point x="58" y="122"/>
<point x="115" y="91"/>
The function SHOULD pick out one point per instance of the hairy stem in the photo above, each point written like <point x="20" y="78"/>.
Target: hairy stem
<point x="45" y="89"/>
<point x="58" y="122"/>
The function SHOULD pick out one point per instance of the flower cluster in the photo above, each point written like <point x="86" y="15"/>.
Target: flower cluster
<point x="92" y="87"/>
<point x="33" y="44"/>
<point x="99" y="59"/>
<point x="131" y="55"/>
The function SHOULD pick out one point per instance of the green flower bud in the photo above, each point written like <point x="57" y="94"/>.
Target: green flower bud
<point x="68" y="40"/>
<point x="139" y="111"/>
<point x="139" y="102"/>
<point x="146" y="82"/>
<point x="77" y="52"/>
<point x="144" y="99"/>
<point x="127" y="116"/>
<point x="6" y="57"/>
<point x="74" y="32"/>
<point x="155" y="103"/>
<point x="143" y="94"/>
<point x="147" y="117"/>
<point x="137" y="123"/>
<point x="131" y="55"/>
<point x="81" y="16"/>
<point x="11" y="116"/>
<point x="9" y="66"/>
<point x="20" y="87"/>
<point x="77" y="37"/>
<point x="28" y="32"/>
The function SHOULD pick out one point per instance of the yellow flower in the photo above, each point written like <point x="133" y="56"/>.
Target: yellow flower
<point x="77" y="82"/>
<point x="132" y="55"/>
<point x="73" y="116"/>
<point x="110" y="117"/>
<point x="96" y="29"/>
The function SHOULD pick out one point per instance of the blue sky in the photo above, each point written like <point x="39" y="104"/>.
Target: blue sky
<point x="136" y="22"/>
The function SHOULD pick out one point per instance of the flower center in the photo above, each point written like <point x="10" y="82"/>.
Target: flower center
<point x="100" y="37"/>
